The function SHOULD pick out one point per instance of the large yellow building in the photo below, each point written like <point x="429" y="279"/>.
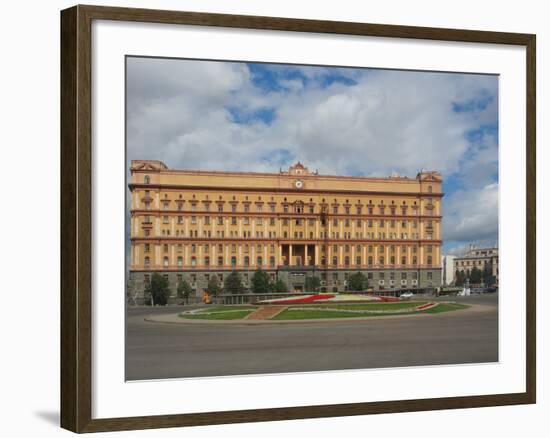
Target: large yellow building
<point x="188" y="224"/>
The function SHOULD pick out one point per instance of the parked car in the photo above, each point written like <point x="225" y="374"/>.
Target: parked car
<point x="406" y="295"/>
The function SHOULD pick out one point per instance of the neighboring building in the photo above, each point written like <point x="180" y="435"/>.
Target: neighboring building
<point x="447" y="269"/>
<point x="480" y="258"/>
<point x="195" y="224"/>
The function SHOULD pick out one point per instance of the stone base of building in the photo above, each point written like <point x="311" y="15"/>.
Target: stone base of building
<point x="332" y="280"/>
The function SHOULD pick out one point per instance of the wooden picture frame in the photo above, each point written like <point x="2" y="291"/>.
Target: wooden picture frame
<point x="76" y="217"/>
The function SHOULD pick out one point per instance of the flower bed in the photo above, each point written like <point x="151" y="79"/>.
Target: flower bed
<point x="298" y="300"/>
<point x="426" y="306"/>
<point x="389" y="299"/>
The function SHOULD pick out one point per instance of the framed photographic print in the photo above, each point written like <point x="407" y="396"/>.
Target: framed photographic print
<point x="305" y="218"/>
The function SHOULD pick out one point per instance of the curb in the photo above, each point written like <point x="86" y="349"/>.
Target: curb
<point x="175" y="319"/>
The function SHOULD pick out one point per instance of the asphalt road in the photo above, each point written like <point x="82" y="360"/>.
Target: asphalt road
<point x="155" y="351"/>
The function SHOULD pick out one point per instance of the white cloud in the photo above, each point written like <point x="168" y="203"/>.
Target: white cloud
<point x="472" y="215"/>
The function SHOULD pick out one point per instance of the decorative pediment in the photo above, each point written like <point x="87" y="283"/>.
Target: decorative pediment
<point x="429" y="176"/>
<point x="147" y="165"/>
<point x="298" y="169"/>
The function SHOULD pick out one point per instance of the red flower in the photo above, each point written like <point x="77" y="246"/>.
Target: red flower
<point x="309" y="299"/>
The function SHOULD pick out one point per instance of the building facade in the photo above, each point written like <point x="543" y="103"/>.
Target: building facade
<point x="447" y="269"/>
<point x="296" y="223"/>
<point x="480" y="258"/>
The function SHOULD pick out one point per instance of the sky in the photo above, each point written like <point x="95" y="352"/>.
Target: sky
<point x="219" y="115"/>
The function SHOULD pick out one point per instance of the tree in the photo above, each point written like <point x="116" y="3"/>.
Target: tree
<point x="312" y="284"/>
<point x="358" y="282"/>
<point x="233" y="283"/>
<point x="487" y="276"/>
<point x="459" y="278"/>
<point x="260" y="282"/>
<point x="475" y="275"/>
<point x="214" y="285"/>
<point x="157" y="290"/>
<point x="184" y="290"/>
<point x="280" y="286"/>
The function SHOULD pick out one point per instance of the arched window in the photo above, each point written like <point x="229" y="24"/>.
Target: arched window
<point x="272" y="262"/>
<point x="147" y="179"/>
<point x="403" y="260"/>
<point x="392" y="260"/>
<point x="335" y="261"/>
<point x="429" y="189"/>
<point x="414" y="260"/>
<point x="180" y="262"/>
<point x="323" y="261"/>
<point x="165" y="262"/>
<point x="220" y="261"/>
<point x="381" y="260"/>
<point x="193" y="261"/>
<point x="429" y="260"/>
<point x="233" y="261"/>
<point x="246" y="261"/>
<point x="346" y="260"/>
<point x="358" y="261"/>
<point x="370" y="261"/>
<point x="147" y="261"/>
<point x="207" y="261"/>
<point x="259" y="261"/>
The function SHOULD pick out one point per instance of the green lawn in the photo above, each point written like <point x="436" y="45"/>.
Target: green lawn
<point x="221" y="308"/>
<point x="374" y="306"/>
<point x="317" y="313"/>
<point x="445" y="307"/>
<point x="239" y="314"/>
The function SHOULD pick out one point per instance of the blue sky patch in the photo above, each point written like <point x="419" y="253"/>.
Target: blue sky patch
<point x="279" y="157"/>
<point x="243" y="117"/>
<point x="269" y="78"/>
<point x="473" y="105"/>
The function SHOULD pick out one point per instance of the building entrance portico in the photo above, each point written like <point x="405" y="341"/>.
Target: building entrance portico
<point x="298" y="254"/>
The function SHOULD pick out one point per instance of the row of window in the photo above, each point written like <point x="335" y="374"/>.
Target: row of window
<point x="147" y="204"/>
<point x="206" y="248"/>
<point x="221" y="234"/>
<point x="335" y="277"/>
<point x="259" y="261"/>
<point x="472" y="263"/>
<point x="233" y="220"/>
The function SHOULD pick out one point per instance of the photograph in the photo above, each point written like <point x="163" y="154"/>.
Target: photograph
<point x="286" y="218"/>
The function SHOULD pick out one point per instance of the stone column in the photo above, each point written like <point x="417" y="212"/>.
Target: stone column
<point x="290" y="255"/>
<point x="317" y="250"/>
